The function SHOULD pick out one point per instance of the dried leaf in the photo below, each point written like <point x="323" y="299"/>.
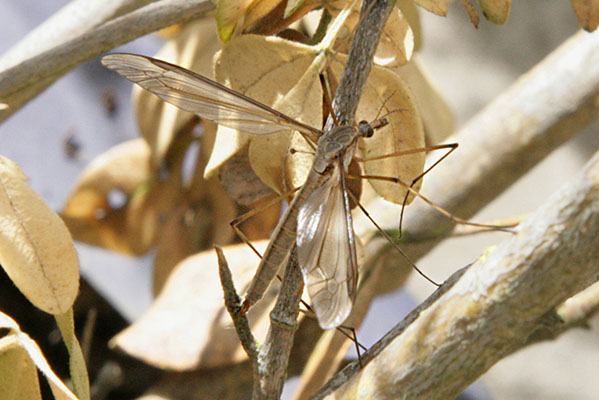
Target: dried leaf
<point x="228" y="13"/>
<point x="269" y="70"/>
<point x="192" y="227"/>
<point x="121" y="172"/>
<point x="240" y="181"/>
<point x="59" y="390"/>
<point x="397" y="41"/>
<point x="36" y="249"/>
<point x="271" y="17"/>
<point x="496" y="11"/>
<point x="410" y="13"/>
<point x="587" y="12"/>
<point x="291" y="7"/>
<point x="158" y="121"/>
<point x="436" y="115"/>
<point x="258" y="10"/>
<point x="188" y="327"/>
<point x="472" y="12"/>
<point x="19" y="375"/>
<point x="303" y="102"/>
<point x="438" y="7"/>
<point x="386" y="94"/>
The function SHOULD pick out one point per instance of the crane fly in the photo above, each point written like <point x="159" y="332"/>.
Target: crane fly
<point x="318" y="220"/>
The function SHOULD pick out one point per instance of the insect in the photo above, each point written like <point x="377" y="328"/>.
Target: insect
<point x="318" y="220"/>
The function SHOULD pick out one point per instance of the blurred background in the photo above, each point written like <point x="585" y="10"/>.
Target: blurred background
<point x="90" y="110"/>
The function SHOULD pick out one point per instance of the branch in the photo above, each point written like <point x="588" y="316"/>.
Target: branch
<point x="493" y="309"/>
<point x="233" y="305"/>
<point x="75" y="18"/>
<point x="22" y="82"/>
<point x="373" y="16"/>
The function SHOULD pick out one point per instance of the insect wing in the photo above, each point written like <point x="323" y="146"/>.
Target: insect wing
<point x="202" y="96"/>
<point x="327" y="253"/>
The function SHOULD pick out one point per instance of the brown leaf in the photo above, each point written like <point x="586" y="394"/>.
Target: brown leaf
<point x="397" y="40"/>
<point x="186" y="231"/>
<point x="496" y="11"/>
<point x="438" y="7"/>
<point x="385" y="94"/>
<point x="472" y="12"/>
<point x="271" y="17"/>
<point x="123" y="172"/>
<point x="19" y="375"/>
<point x="436" y="114"/>
<point x="587" y="12"/>
<point x="410" y="13"/>
<point x="277" y="73"/>
<point x="228" y="13"/>
<point x="17" y="343"/>
<point x="258" y="10"/>
<point x="194" y="226"/>
<point x="36" y="249"/>
<point x="188" y="327"/>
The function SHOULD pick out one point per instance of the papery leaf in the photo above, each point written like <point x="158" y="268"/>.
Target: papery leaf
<point x="472" y="12"/>
<point x="436" y="114"/>
<point x="19" y="375"/>
<point x="59" y="389"/>
<point x="410" y="13"/>
<point x="397" y="41"/>
<point x="90" y="211"/>
<point x="267" y="70"/>
<point x="385" y="94"/>
<point x="36" y="249"/>
<point x="188" y="327"/>
<point x="228" y="13"/>
<point x="291" y="7"/>
<point x="587" y="12"/>
<point x="438" y="7"/>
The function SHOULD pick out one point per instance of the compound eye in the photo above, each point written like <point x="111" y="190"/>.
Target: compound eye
<point x="365" y="129"/>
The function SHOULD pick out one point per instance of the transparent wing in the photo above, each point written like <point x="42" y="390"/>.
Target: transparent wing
<point x="327" y="253"/>
<point x="202" y="96"/>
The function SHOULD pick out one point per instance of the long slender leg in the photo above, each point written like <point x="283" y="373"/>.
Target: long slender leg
<point x="243" y="217"/>
<point x="443" y="211"/>
<point x="393" y="243"/>
<point x="411" y="190"/>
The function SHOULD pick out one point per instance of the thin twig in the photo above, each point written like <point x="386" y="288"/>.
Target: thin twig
<point x="21" y="83"/>
<point x="233" y="305"/>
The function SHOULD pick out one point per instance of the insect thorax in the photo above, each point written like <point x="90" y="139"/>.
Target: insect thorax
<point x="332" y="144"/>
